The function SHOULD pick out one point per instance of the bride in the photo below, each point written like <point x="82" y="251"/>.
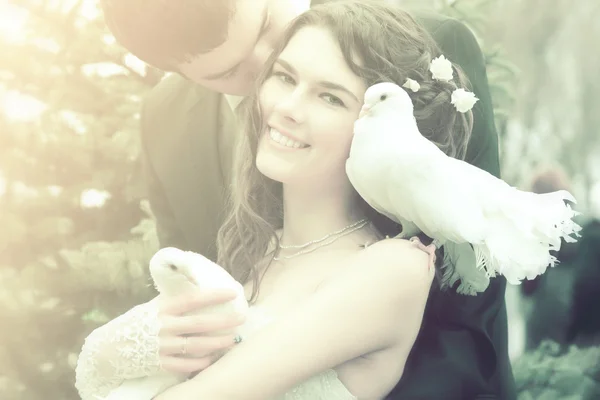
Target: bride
<point x="343" y="303"/>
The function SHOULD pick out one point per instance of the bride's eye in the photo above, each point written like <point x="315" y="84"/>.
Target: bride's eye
<point x="283" y="77"/>
<point x="333" y="100"/>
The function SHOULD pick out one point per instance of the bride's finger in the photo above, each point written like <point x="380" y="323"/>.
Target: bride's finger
<point x="198" y="324"/>
<point x="190" y="302"/>
<point x="194" y="346"/>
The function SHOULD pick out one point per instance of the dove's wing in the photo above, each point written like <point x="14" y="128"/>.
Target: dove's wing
<point x="426" y="188"/>
<point x="406" y="177"/>
<point x="204" y="275"/>
<point x="210" y="275"/>
<point x="507" y="208"/>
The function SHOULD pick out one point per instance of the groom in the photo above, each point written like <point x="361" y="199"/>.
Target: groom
<point x="216" y="48"/>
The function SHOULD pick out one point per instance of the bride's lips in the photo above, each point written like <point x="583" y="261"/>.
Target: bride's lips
<point x="285" y="139"/>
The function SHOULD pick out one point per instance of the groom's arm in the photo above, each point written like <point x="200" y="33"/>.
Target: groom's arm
<point x="462" y="350"/>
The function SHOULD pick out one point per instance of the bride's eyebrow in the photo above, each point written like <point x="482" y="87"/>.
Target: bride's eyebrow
<point x="326" y="84"/>
<point x="286" y="65"/>
<point x="337" y="86"/>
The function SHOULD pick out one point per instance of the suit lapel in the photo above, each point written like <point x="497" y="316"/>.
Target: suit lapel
<point x="204" y="171"/>
<point x="228" y="130"/>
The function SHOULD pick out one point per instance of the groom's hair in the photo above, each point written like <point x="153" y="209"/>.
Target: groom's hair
<point x="166" y="33"/>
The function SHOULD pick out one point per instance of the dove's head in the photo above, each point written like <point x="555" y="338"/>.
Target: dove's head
<point x="172" y="271"/>
<point x="386" y="96"/>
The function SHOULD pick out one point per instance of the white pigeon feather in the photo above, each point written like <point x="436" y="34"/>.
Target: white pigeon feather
<point x="491" y="227"/>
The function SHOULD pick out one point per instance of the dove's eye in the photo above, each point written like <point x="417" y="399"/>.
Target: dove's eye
<point x="383" y="97"/>
<point x="173" y="267"/>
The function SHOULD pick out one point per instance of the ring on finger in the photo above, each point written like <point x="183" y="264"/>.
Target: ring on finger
<point x="184" y="346"/>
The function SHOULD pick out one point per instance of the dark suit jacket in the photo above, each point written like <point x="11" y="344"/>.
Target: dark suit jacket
<point x="187" y="137"/>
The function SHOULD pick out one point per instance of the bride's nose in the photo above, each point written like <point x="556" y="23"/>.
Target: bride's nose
<point x="291" y="106"/>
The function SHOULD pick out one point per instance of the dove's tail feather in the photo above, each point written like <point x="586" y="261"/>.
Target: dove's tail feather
<point x="529" y="226"/>
<point x="548" y="216"/>
<point x="462" y="263"/>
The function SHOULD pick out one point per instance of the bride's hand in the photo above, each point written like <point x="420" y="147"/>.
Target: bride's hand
<point x="190" y="343"/>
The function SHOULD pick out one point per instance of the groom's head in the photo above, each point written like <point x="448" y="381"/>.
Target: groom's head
<point x="220" y="44"/>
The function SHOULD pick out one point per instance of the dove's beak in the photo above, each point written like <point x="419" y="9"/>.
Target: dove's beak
<point x="192" y="279"/>
<point x="364" y="110"/>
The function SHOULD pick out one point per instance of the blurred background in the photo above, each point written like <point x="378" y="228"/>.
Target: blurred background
<point x="76" y="232"/>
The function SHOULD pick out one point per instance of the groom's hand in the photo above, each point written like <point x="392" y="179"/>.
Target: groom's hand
<point x="190" y="342"/>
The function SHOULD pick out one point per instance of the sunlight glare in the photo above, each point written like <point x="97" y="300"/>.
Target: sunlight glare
<point x="93" y="198"/>
<point x="12" y="23"/>
<point x="74" y="121"/>
<point x="90" y="9"/>
<point x="136" y="64"/>
<point x="103" y="70"/>
<point x="20" y="107"/>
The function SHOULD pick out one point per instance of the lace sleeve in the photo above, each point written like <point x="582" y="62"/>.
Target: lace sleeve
<point x="125" y="348"/>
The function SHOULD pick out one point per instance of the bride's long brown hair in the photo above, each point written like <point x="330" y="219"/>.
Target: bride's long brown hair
<point x="379" y="42"/>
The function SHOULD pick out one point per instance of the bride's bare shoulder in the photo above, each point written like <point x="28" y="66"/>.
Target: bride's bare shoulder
<point x="398" y="254"/>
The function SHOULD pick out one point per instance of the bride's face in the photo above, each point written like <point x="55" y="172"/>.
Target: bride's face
<point x="310" y="102"/>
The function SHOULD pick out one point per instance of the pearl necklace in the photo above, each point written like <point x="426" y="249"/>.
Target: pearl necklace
<point x="338" y="234"/>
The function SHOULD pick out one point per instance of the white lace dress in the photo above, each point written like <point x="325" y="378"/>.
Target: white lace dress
<point x="127" y="348"/>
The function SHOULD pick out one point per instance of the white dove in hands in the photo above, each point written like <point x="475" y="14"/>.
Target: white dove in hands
<point x="486" y="226"/>
<point x="177" y="273"/>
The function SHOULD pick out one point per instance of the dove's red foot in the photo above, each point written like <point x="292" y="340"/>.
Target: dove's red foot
<point x="427" y="249"/>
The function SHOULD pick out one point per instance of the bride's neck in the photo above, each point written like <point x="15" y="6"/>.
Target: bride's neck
<point x="309" y="216"/>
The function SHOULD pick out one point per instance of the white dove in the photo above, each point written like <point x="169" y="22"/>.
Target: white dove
<point x="176" y="272"/>
<point x="486" y="226"/>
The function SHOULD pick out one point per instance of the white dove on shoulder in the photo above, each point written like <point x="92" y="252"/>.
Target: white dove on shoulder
<point x="485" y="226"/>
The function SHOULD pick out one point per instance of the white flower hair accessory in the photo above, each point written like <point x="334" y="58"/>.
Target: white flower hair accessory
<point x="441" y="69"/>
<point x="462" y="100"/>
<point x="412" y="85"/>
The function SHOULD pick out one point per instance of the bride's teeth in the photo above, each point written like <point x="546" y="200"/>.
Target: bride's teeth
<point x="285" y="141"/>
